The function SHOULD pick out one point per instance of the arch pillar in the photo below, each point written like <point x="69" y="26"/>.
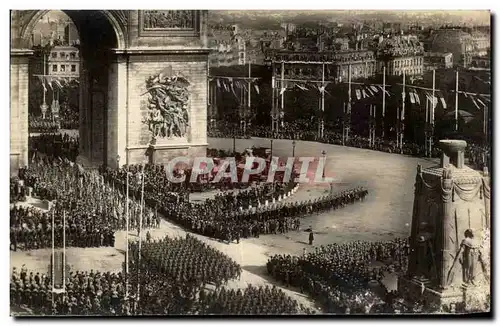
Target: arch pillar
<point x="19" y="86"/>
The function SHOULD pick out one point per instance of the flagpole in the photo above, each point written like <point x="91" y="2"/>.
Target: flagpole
<point x="273" y="106"/>
<point x="383" y="105"/>
<point x="140" y="237"/>
<point x="370" y="133"/>
<point x="323" y="102"/>
<point x="348" y="126"/>
<point x="426" y="122"/>
<point x="282" y="112"/>
<point x="402" y="128"/>
<point x="432" y="110"/>
<point x="53" y="252"/>
<point x="456" y="102"/>
<point x="249" y="90"/>
<point x="64" y="250"/>
<point x="126" y="235"/>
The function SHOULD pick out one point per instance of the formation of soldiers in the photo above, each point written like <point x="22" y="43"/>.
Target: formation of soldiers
<point x="251" y="301"/>
<point x="218" y="223"/>
<point x="174" y="278"/>
<point x="54" y="145"/>
<point x="187" y="260"/>
<point x="340" y="276"/>
<point x="90" y="209"/>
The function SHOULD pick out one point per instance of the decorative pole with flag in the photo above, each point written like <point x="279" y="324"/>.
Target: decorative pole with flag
<point x="323" y="87"/>
<point x="273" y="106"/>
<point x="383" y="103"/>
<point x="281" y="115"/>
<point x="249" y="92"/>
<point x="433" y="106"/>
<point x="456" y="102"/>
<point x="402" y="126"/>
<point x="347" y="112"/>
<point x="126" y="236"/>
<point x="140" y="236"/>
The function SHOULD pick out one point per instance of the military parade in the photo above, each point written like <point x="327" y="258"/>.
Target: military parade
<point x="214" y="163"/>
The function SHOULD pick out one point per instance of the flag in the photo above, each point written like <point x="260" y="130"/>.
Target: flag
<point x="417" y="99"/>
<point x="412" y="98"/>
<point x="224" y="83"/>
<point x="385" y="91"/>
<point x="358" y="94"/>
<point x="479" y="100"/>
<point x="475" y="103"/>
<point x="42" y="80"/>
<point x="256" y="88"/>
<point x="364" y="93"/>
<point x="375" y="89"/>
<point x="218" y="82"/>
<point x="58" y="83"/>
<point x="49" y="82"/>
<point x="443" y="102"/>
<point x="369" y="90"/>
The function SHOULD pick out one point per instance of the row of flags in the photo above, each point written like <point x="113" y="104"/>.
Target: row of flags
<point x="229" y="84"/>
<point x="480" y="101"/>
<point x="56" y="81"/>
<point x="415" y="95"/>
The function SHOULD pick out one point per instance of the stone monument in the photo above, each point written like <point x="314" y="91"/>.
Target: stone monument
<point x="449" y="263"/>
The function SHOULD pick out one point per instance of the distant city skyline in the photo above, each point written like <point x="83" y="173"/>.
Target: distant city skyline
<point x="436" y="17"/>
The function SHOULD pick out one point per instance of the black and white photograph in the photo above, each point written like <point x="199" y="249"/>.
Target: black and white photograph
<point x="250" y="163"/>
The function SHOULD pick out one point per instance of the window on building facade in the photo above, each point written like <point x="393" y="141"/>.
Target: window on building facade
<point x="63" y="68"/>
<point x="54" y="54"/>
<point x="54" y="68"/>
<point x="73" y="68"/>
<point x="72" y="55"/>
<point x="62" y="54"/>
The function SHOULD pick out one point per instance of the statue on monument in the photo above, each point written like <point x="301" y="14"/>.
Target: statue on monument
<point x="168" y="105"/>
<point x="471" y="255"/>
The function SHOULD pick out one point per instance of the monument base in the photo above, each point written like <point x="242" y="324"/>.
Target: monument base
<point x="471" y="298"/>
<point x="163" y="153"/>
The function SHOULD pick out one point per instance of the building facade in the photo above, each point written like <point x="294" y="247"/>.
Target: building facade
<point x="453" y="40"/>
<point x="401" y="56"/>
<point x="64" y="61"/>
<point x="433" y="60"/>
<point x="308" y="65"/>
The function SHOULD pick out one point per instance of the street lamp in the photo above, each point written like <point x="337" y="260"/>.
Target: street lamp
<point x="324" y="162"/>
<point x="117" y="162"/>
<point x="293" y="148"/>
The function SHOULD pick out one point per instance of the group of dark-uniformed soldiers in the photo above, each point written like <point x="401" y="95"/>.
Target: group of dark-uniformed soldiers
<point x="54" y="145"/>
<point x="90" y="210"/>
<point x="340" y="275"/>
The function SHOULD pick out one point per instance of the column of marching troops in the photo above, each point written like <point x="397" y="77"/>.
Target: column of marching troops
<point x="173" y="276"/>
<point x="228" y="217"/>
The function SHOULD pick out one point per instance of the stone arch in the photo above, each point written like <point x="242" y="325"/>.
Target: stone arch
<point x="117" y="23"/>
